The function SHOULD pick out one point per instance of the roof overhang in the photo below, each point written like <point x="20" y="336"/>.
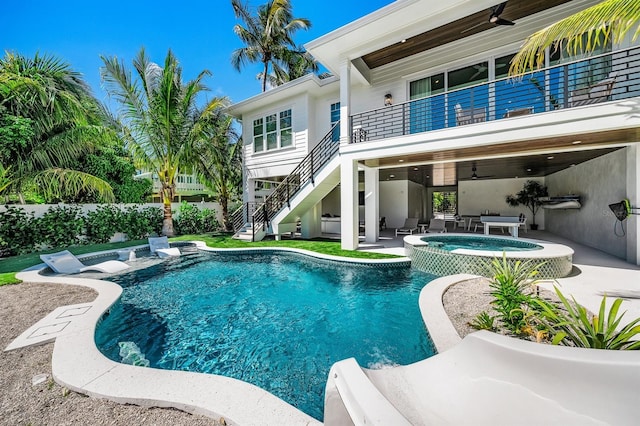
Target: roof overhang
<point x="308" y="84"/>
<point x="408" y="27"/>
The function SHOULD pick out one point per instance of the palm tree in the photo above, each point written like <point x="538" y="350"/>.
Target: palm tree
<point x="217" y="159"/>
<point x="267" y="36"/>
<point x="609" y="20"/>
<point x="160" y="120"/>
<point x="297" y="63"/>
<point x="48" y="117"/>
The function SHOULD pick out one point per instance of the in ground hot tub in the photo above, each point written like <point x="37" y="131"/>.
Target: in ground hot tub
<point x="448" y="254"/>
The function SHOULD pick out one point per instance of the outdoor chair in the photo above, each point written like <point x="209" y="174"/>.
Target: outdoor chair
<point x="410" y="225"/>
<point x="523" y="221"/>
<point x="383" y="223"/>
<point x="470" y="115"/>
<point x="459" y="220"/>
<point x="596" y="93"/>
<point x="161" y="247"/>
<point x="65" y="262"/>
<point x="437" y="226"/>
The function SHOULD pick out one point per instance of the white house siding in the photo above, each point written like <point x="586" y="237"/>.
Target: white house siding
<point x="599" y="182"/>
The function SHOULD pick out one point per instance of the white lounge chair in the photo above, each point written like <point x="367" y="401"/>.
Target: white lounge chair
<point x="65" y="262"/>
<point x="437" y="226"/>
<point x="410" y="225"/>
<point x="161" y="247"/>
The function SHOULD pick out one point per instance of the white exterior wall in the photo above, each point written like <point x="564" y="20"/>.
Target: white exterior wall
<point x="394" y="204"/>
<point x="478" y="196"/>
<point x="279" y="162"/>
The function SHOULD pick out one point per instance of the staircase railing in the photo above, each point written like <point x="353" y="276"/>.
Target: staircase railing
<point x="304" y="173"/>
<point x="243" y="214"/>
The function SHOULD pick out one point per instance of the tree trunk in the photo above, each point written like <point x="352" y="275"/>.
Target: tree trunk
<point x="226" y="220"/>
<point x="167" y="221"/>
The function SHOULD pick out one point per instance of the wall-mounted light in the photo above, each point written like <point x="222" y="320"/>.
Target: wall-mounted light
<point x="388" y="99"/>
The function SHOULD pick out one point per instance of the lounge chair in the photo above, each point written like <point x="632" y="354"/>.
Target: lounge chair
<point x="161" y="247"/>
<point x="410" y="225"/>
<point x="437" y="226"/>
<point x="65" y="262"/>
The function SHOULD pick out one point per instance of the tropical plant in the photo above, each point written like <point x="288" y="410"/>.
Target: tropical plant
<point x="295" y="64"/>
<point x="102" y="223"/>
<point x="529" y="196"/>
<point x="577" y="328"/>
<point x="484" y="321"/>
<point x="509" y="286"/>
<point x="159" y="116"/>
<point x="192" y="220"/>
<point x="582" y="32"/>
<point x="218" y="160"/>
<point x="17" y="232"/>
<point x="268" y="37"/>
<point x="60" y="226"/>
<point x="49" y="119"/>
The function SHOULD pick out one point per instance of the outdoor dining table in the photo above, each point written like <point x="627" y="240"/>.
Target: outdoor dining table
<point x="511" y="222"/>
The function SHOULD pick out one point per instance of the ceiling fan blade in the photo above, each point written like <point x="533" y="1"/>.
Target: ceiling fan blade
<point x="473" y="28"/>
<point x="497" y="10"/>
<point x="502" y="21"/>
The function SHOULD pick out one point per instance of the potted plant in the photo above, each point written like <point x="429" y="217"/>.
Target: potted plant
<point x="529" y="197"/>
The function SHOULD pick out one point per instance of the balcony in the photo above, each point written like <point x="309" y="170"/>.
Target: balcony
<point x="601" y="78"/>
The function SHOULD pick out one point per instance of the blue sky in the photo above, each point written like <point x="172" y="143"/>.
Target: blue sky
<point x="199" y="32"/>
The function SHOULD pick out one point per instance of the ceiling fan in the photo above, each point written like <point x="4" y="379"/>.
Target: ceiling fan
<point x="474" y="174"/>
<point x="494" y="18"/>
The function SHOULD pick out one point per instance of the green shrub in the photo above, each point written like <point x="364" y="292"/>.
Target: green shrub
<point x="61" y="226"/>
<point x="102" y="223"/>
<point x="139" y="224"/>
<point x="575" y="328"/>
<point x="509" y="286"/>
<point x="191" y="220"/>
<point x="17" y="232"/>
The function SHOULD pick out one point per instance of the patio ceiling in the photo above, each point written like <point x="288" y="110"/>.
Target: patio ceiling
<point x="463" y="27"/>
<point x="517" y="159"/>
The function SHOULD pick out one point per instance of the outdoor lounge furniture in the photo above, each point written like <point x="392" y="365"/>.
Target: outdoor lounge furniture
<point x="161" y="247"/>
<point x="410" y="225"/>
<point x="470" y="115"/>
<point x="65" y="262"/>
<point x="437" y="226"/>
<point x="596" y="93"/>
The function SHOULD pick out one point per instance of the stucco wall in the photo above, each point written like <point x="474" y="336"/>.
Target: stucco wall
<point x="477" y="196"/>
<point x="394" y="202"/>
<point x="599" y="182"/>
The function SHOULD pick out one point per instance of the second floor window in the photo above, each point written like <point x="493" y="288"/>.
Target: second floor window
<point x="272" y="132"/>
<point x="335" y="117"/>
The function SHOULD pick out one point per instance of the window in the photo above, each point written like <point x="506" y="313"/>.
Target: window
<point x="335" y="117"/>
<point x="272" y="132"/>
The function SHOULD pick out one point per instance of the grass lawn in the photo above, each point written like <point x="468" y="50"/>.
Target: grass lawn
<point x="10" y="265"/>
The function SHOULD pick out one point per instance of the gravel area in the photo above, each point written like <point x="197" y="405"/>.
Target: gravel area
<point x="47" y="403"/>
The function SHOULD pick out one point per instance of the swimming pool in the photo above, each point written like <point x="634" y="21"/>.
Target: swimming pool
<point x="277" y="320"/>
<point x="478" y="242"/>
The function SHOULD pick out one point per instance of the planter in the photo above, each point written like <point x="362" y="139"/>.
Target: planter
<point x="534" y="226"/>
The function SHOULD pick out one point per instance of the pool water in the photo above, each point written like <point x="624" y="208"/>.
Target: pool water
<point x="478" y="242"/>
<point x="276" y="320"/>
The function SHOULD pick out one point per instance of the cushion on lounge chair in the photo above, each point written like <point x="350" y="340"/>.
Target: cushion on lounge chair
<point x="65" y="262"/>
<point x="161" y="247"/>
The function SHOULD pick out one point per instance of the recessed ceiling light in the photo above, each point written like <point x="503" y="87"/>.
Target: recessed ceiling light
<point x="400" y="161"/>
<point x="403" y="40"/>
<point x="428" y="176"/>
<point x="392" y="176"/>
<point x="576" y="142"/>
<point x="528" y="170"/>
<point x="572" y="165"/>
<point x="551" y="157"/>
<point x="415" y="168"/>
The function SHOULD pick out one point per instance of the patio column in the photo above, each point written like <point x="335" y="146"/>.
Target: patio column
<point x="371" y="204"/>
<point x="345" y="102"/>
<point x="633" y="193"/>
<point x="349" y="203"/>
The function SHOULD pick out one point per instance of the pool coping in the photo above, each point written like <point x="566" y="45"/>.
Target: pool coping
<point x="215" y="396"/>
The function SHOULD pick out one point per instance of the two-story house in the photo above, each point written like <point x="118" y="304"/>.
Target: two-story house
<point x="420" y="109"/>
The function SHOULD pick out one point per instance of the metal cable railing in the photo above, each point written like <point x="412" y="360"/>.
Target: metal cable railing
<point x="303" y="174"/>
<point x="600" y="78"/>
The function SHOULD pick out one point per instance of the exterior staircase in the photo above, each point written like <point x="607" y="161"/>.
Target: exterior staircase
<point x="316" y="175"/>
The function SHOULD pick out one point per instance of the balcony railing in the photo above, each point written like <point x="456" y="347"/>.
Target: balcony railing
<point x="601" y="78"/>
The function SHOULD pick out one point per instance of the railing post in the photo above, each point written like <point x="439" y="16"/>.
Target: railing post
<point x="287" y="186"/>
<point x="313" y="180"/>
<point x="565" y="72"/>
